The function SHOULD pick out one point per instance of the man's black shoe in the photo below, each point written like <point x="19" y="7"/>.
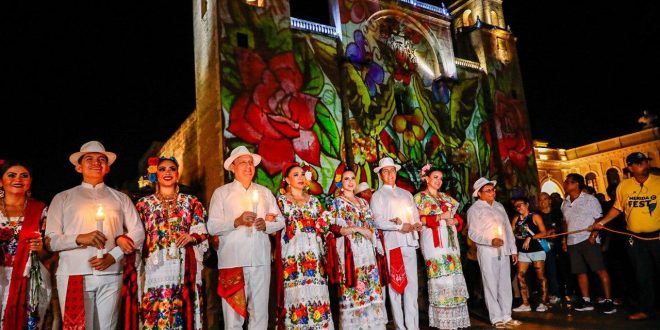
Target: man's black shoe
<point x="608" y="307"/>
<point x="583" y="306"/>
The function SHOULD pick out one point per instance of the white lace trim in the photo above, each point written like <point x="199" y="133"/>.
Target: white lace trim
<point x="449" y="317"/>
<point x="306" y="294"/>
<point x="363" y="252"/>
<point x="164" y="272"/>
<point x="446" y="287"/>
<point x="371" y="316"/>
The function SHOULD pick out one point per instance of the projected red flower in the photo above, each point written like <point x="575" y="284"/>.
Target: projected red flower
<point x="272" y="112"/>
<point x="511" y="128"/>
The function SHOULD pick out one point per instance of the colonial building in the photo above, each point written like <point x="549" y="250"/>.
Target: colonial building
<point x="602" y="163"/>
<point x="406" y="79"/>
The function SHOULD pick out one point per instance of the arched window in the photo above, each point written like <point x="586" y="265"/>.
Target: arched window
<point x="550" y="187"/>
<point x="467" y="18"/>
<point x="494" y="20"/>
<point x="591" y="181"/>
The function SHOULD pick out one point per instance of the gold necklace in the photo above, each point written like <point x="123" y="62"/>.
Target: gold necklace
<point x="170" y="204"/>
<point x="299" y="201"/>
<point x="436" y="196"/>
<point x="169" y="201"/>
<point x="4" y="208"/>
<point x="355" y="202"/>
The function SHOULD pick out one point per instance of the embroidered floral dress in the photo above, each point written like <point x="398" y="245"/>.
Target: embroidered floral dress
<point x="165" y="267"/>
<point x="362" y="305"/>
<point x="447" y="289"/>
<point x="306" y="298"/>
<point x="39" y="295"/>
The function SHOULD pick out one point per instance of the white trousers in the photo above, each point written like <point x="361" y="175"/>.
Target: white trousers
<point x="496" y="278"/>
<point x="410" y="310"/>
<point x="102" y="294"/>
<point x="257" y="285"/>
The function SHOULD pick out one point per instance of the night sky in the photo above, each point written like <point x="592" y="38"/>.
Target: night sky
<point x="588" y="73"/>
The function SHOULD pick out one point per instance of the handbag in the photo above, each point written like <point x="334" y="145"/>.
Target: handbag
<point x="544" y="244"/>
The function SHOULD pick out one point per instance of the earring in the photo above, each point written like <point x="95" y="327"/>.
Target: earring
<point x="2" y="192"/>
<point x="28" y="193"/>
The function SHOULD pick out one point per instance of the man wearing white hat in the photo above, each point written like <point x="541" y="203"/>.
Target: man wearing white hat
<point x="489" y="228"/>
<point x="243" y="213"/>
<point x="86" y="225"/>
<point x="364" y="191"/>
<point x="396" y="214"/>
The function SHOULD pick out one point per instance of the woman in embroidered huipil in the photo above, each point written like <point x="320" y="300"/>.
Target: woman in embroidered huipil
<point x="175" y="228"/>
<point x="304" y="298"/>
<point x="357" y="258"/>
<point x="22" y="222"/>
<point x="448" y="292"/>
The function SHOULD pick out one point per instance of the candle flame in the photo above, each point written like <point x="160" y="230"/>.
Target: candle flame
<point x="499" y="231"/>
<point x="99" y="211"/>
<point x="255" y="196"/>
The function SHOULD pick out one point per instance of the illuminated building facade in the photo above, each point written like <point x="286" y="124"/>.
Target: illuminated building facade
<point x="602" y="163"/>
<point x="405" y="79"/>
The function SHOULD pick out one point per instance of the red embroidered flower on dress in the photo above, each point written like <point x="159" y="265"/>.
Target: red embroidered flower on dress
<point x="6" y="234"/>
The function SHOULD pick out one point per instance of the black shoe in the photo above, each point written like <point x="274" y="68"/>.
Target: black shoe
<point x="608" y="307"/>
<point x="582" y="306"/>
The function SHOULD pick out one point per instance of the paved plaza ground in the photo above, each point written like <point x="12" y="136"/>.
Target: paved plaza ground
<point x="560" y="317"/>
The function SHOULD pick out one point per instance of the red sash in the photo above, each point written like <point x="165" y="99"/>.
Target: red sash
<point x="279" y="280"/>
<point x="332" y="258"/>
<point x="382" y="261"/>
<point x="129" y="295"/>
<point x="15" y="312"/>
<point x="398" y="278"/>
<point x="332" y="263"/>
<point x="433" y="223"/>
<point x="190" y="289"/>
<point x="231" y="287"/>
<point x="461" y="222"/>
<point x="74" y="305"/>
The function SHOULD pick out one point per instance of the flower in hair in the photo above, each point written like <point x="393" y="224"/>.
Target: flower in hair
<point x="152" y="169"/>
<point x="338" y="180"/>
<point x="425" y="169"/>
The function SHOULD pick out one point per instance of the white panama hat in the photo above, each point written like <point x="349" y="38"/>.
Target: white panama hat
<point x="238" y="152"/>
<point x="92" y="147"/>
<point x="362" y="187"/>
<point x="386" y="162"/>
<point x="480" y="183"/>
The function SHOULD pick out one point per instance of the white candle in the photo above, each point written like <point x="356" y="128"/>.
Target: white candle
<point x="409" y="213"/>
<point x="100" y="217"/>
<point x="499" y="248"/>
<point x="255" y="200"/>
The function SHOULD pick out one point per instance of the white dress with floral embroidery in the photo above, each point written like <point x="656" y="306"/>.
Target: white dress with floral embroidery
<point x="306" y="296"/>
<point x="447" y="289"/>
<point x="39" y="288"/>
<point x="361" y="306"/>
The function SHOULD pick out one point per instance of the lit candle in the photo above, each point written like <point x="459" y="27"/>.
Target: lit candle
<point x="255" y="200"/>
<point x="409" y="213"/>
<point x="254" y="203"/>
<point x="499" y="248"/>
<point x="100" y="217"/>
